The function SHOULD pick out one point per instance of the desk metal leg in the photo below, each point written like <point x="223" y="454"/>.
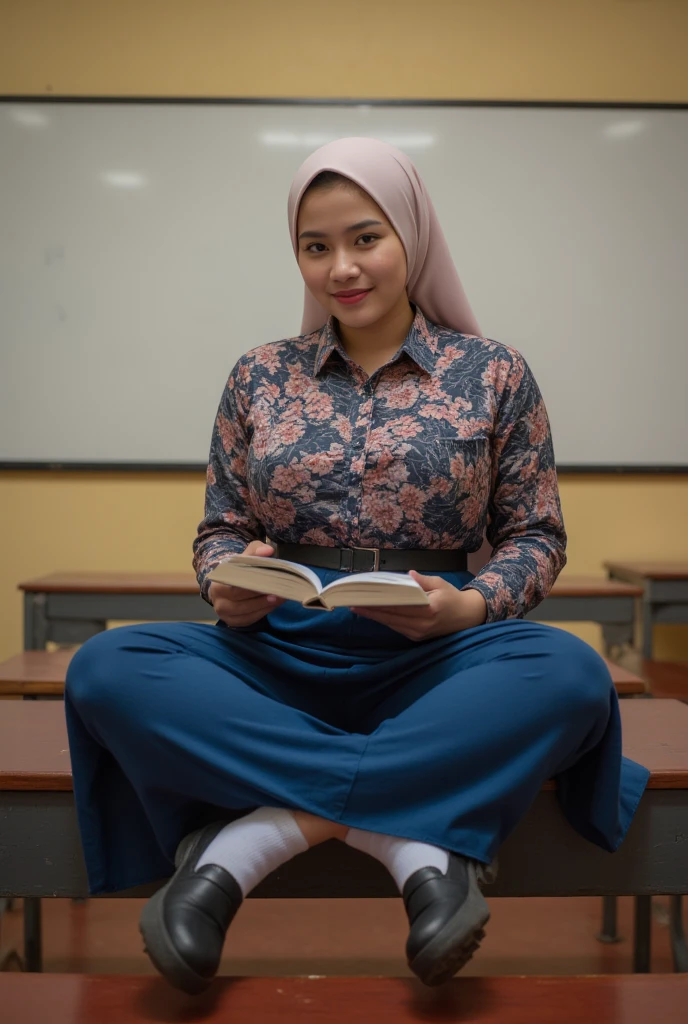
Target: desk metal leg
<point x="679" y="948"/>
<point x="33" y="955"/>
<point x="35" y="622"/>
<point x="616" y="636"/>
<point x="10" y="960"/>
<point x="646" y="626"/>
<point x="608" y="932"/>
<point x="642" y="944"/>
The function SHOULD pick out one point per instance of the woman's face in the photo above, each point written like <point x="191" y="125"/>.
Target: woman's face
<point x="350" y="256"/>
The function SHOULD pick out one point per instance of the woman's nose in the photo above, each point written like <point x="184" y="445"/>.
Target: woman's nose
<point x="344" y="266"/>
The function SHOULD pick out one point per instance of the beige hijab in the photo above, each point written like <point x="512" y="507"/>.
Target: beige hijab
<point x="391" y="180"/>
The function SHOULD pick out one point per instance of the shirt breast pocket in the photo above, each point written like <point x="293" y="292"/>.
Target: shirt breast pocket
<point x="461" y="469"/>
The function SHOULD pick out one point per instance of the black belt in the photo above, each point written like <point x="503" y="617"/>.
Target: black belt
<point x="373" y="559"/>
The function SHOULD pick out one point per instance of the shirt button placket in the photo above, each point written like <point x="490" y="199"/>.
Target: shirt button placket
<point x="358" y="445"/>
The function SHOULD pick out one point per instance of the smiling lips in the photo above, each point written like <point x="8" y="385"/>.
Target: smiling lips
<point x="353" y="296"/>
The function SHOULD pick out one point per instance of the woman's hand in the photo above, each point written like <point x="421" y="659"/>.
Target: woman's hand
<point x="238" y="607"/>
<point x="449" y="611"/>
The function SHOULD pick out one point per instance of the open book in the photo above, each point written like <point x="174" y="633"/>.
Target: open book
<point x="299" y="583"/>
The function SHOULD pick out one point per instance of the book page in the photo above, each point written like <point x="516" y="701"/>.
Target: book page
<point x="275" y="565"/>
<point x="374" y="589"/>
<point x="264" y="578"/>
<point x="375" y="595"/>
<point x="262" y="581"/>
<point x="366" y="578"/>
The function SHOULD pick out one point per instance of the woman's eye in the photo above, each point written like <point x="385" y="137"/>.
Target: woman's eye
<point x="312" y="247"/>
<point x="367" y="239"/>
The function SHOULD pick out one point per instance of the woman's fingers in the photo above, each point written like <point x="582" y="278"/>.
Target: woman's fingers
<point x="220" y="592"/>
<point x="259" y="547"/>
<point x="244" y="613"/>
<point x="239" y="594"/>
<point x="237" y="606"/>
<point x="225" y="593"/>
<point x="409" y="627"/>
<point x="388" y="616"/>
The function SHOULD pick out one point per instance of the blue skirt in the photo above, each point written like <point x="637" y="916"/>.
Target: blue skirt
<point x="447" y="741"/>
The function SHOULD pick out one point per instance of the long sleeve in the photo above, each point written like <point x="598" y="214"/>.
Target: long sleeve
<point x="229" y="523"/>
<point x="525" y="524"/>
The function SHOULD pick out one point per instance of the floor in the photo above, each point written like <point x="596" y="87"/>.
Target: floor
<point x="348" y="937"/>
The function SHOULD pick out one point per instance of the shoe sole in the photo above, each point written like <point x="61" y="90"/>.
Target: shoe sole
<point x="156" y="941"/>
<point x="455" y="944"/>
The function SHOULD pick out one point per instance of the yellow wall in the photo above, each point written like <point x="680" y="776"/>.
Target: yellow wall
<point x="630" y="50"/>
<point x="503" y="49"/>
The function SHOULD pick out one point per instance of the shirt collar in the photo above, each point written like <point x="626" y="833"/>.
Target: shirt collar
<point x="421" y="344"/>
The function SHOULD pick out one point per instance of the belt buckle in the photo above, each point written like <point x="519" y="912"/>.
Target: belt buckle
<point x="376" y="559"/>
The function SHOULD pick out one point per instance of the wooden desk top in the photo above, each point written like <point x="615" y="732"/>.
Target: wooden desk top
<point x="43" y="673"/>
<point x="85" y="998"/>
<point x="649" y="570"/>
<point x="35" y="672"/>
<point x="593" y="586"/>
<point x="113" y="583"/>
<point x="185" y="583"/>
<point x="34" y="752"/>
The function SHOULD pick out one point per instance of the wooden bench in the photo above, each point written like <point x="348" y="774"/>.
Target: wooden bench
<point x="112" y="999"/>
<point x="42" y="674"/>
<point x="69" y="607"/>
<point x="664" y="588"/>
<point x="41" y="852"/>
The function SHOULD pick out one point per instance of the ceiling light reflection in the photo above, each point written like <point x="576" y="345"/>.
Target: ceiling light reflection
<point x="29" y="117"/>
<point x="623" y="129"/>
<point x="124" y="179"/>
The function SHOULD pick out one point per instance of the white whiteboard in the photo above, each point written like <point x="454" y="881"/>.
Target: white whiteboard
<point x="144" y="247"/>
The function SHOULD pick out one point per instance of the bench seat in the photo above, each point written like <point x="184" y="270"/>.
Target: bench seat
<point x="41" y="854"/>
<point x="34" y="750"/>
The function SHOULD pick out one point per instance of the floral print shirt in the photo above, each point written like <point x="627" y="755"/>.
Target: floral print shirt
<point x="447" y="442"/>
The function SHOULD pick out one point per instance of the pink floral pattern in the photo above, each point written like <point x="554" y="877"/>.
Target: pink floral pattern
<point x="445" y="443"/>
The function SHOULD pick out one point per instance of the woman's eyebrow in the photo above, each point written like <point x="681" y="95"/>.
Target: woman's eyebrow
<point x="354" y="227"/>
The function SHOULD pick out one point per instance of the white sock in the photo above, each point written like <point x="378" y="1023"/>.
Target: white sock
<point x="253" y="846"/>
<point x="401" y="857"/>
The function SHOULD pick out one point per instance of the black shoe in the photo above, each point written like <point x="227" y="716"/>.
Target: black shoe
<point x="184" y="924"/>
<point x="447" y="914"/>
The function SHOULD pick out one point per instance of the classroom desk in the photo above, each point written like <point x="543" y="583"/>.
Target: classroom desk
<point x="34" y="674"/>
<point x="664" y="593"/>
<point x="41" y="854"/>
<point x="610" y="603"/>
<point x="70" y="607"/>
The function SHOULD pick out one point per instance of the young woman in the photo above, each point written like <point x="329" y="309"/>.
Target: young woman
<point x="389" y="435"/>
